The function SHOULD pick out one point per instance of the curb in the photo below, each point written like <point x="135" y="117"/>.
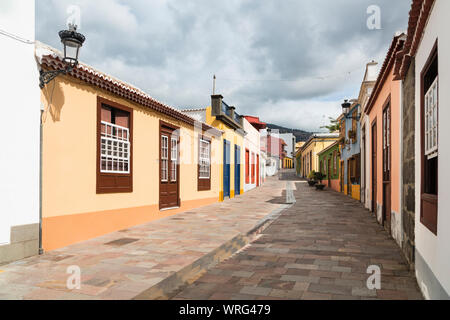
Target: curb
<point x="166" y="288"/>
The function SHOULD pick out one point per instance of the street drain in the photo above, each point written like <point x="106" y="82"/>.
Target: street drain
<point x="121" y="242"/>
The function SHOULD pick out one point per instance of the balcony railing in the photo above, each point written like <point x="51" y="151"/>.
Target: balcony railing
<point x="226" y="109"/>
<point x="222" y="111"/>
<point x="237" y="117"/>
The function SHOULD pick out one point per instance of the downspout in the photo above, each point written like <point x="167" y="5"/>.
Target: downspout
<point x="41" y="250"/>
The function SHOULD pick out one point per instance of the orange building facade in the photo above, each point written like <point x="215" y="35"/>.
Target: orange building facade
<point x="383" y="110"/>
<point x="114" y="157"/>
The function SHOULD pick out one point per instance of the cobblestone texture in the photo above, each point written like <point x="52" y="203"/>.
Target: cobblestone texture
<point x="318" y="249"/>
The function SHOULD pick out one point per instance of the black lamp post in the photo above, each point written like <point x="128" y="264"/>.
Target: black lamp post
<point x="346" y="109"/>
<point x="72" y="41"/>
<point x="346" y="106"/>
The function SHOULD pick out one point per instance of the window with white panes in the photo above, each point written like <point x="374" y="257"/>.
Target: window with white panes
<point x="204" y="160"/>
<point x="431" y="120"/>
<point x="114" y="148"/>
<point x="429" y="142"/>
<point x="164" y="158"/>
<point x="174" y="159"/>
<point x="114" y="143"/>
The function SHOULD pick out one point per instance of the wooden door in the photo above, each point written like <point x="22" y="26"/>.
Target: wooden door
<point x="237" y="170"/>
<point x="387" y="167"/>
<point x="247" y="166"/>
<point x="329" y="173"/>
<point x="257" y="170"/>
<point x="374" y="168"/>
<point x="226" y="168"/>
<point x="169" y="176"/>
<point x="253" y="168"/>
<point x="342" y="169"/>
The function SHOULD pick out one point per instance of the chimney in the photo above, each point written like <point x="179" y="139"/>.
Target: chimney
<point x="232" y="110"/>
<point x="216" y="104"/>
<point x="371" y="71"/>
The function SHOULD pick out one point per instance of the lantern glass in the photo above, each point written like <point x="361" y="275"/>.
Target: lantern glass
<point x="72" y="42"/>
<point x="71" y="49"/>
<point x="346" y="107"/>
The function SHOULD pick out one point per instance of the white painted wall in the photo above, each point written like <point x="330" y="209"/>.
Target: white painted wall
<point x="197" y="114"/>
<point x="252" y="142"/>
<point x="365" y="167"/>
<point x="290" y="141"/>
<point x="19" y="157"/>
<point x="262" y="166"/>
<point x="435" y="249"/>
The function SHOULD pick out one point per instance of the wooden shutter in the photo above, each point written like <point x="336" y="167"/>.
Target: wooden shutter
<point x="122" y="118"/>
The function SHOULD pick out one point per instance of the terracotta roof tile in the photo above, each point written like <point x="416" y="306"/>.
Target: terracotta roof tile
<point x="392" y="58"/>
<point x="418" y="17"/>
<point x="51" y="59"/>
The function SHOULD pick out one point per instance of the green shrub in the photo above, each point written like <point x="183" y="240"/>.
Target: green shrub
<point x="319" y="176"/>
<point x="312" y="175"/>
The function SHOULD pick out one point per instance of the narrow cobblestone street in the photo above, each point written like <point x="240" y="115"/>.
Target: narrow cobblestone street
<point x="320" y="248"/>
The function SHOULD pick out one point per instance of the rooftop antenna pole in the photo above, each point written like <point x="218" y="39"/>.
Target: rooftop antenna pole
<point x="214" y="84"/>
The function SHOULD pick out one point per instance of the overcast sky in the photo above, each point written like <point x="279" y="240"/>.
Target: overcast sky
<point x="290" y="62"/>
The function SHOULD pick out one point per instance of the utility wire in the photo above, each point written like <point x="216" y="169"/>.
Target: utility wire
<point x="343" y="74"/>
<point x="16" y="37"/>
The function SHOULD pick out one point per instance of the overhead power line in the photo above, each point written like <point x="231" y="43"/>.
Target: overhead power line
<point x="15" y="37"/>
<point x="325" y="77"/>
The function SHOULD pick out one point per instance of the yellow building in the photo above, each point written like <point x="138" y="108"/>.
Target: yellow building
<point x="308" y="153"/>
<point x="288" y="163"/>
<point x="225" y="118"/>
<point x="114" y="157"/>
<point x="298" y="145"/>
<point x="298" y="158"/>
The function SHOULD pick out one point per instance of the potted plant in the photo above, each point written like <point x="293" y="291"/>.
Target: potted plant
<point x="352" y="135"/>
<point x="312" y="178"/>
<point x="319" y="176"/>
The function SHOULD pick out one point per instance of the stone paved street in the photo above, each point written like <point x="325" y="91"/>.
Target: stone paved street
<point x="318" y="249"/>
<point x="123" y="264"/>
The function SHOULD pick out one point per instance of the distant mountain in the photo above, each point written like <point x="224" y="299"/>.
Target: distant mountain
<point x="300" y="135"/>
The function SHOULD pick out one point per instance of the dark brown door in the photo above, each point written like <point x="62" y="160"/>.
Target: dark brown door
<point x="329" y="173"/>
<point x="169" y="175"/>
<point x="257" y="170"/>
<point x="387" y="167"/>
<point x="349" y="181"/>
<point x="374" y="168"/>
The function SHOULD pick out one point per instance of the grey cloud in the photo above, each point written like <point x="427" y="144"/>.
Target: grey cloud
<point x="172" y="48"/>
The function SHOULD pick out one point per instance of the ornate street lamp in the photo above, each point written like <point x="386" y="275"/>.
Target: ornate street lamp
<point x="346" y="106"/>
<point x="72" y="41"/>
<point x="346" y="109"/>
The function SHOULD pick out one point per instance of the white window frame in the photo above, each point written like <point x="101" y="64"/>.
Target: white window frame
<point x="173" y="159"/>
<point x="431" y="120"/>
<point x="203" y="161"/>
<point x="164" y="158"/>
<point x="118" y="138"/>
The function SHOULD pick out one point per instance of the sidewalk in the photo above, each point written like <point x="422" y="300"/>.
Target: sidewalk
<point x="123" y="264"/>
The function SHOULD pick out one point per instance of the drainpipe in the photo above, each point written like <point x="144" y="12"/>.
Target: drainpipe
<point x="41" y="250"/>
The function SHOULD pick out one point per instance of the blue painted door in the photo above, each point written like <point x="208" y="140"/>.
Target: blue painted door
<point x="237" y="170"/>
<point x="226" y="168"/>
